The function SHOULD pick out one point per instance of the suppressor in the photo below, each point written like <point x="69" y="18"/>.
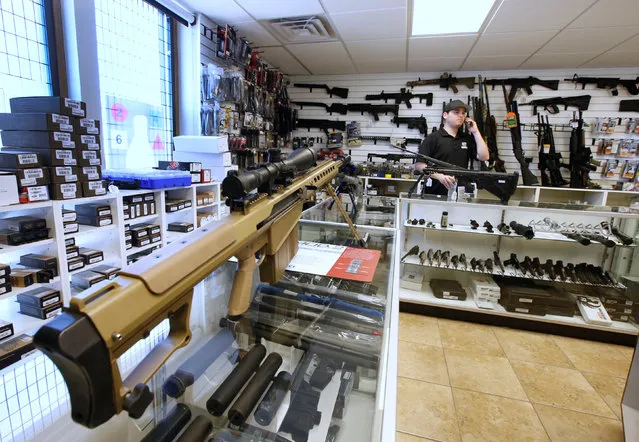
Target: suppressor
<point x="220" y="400"/>
<point x="271" y="402"/>
<point x="192" y="368"/>
<point x="170" y="426"/>
<point x="198" y="431"/>
<point x="243" y="406"/>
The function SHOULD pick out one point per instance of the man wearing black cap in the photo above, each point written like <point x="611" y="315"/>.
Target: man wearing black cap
<point x="447" y="144"/>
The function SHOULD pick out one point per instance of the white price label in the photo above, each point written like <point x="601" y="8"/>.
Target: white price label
<point x="61" y="171"/>
<point x="60" y="119"/>
<point x="5" y="333"/>
<point x="96" y="259"/>
<point x="105" y="222"/>
<point x="66" y="188"/>
<point x="26" y="158"/>
<point x="51" y="301"/>
<point x="93" y="130"/>
<point x="76" y="265"/>
<point x="73" y="104"/>
<point x="33" y="173"/>
<point x="66" y="127"/>
<point x="78" y="112"/>
<point x="88" y="139"/>
<point x="38" y="193"/>
<point x="87" y="122"/>
<point x="93" y="146"/>
<point x="54" y="313"/>
<point x="94" y="161"/>
<point x="61" y="136"/>
<point x="28" y="182"/>
<point x="63" y="155"/>
<point x="68" y="144"/>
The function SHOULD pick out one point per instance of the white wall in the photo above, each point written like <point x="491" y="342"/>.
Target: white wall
<point x="603" y="104"/>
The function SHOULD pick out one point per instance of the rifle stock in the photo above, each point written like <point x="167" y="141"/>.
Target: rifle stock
<point x="104" y="321"/>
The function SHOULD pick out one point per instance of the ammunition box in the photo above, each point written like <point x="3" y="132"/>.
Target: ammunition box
<point x="5" y="269"/>
<point x="87" y="126"/>
<point x="37" y="121"/>
<point x="63" y="174"/>
<point x="11" y="238"/>
<point x="14" y="349"/>
<point x="73" y="252"/>
<point x="41" y="313"/>
<point x="109" y="272"/>
<point x="69" y="215"/>
<point x="139" y="231"/>
<point x="47" y="157"/>
<point x="141" y="242"/>
<point x="35" y="235"/>
<point x="127" y="227"/>
<point x="39" y="140"/>
<point x="93" y="210"/>
<point x="75" y="263"/>
<point x="128" y="236"/>
<point x="42" y="276"/>
<point x="34" y="194"/>
<point x="71" y="227"/>
<point x="93" y="188"/>
<point x="6" y="330"/>
<point x="91" y="256"/>
<point x="199" y="199"/>
<point x="186" y="166"/>
<point x="133" y="199"/>
<point x="86" y="279"/>
<point x="69" y="242"/>
<point x="89" y="158"/>
<point x="205" y="176"/>
<point x="156" y="238"/>
<point x="187" y="203"/>
<point x="196" y="178"/>
<point x="172" y="206"/>
<point x="23" y="223"/>
<point x="40" y="297"/>
<point x="151" y="229"/>
<point x="54" y="105"/>
<point x="37" y="176"/>
<point x="13" y="160"/>
<point x="39" y="261"/>
<point x="180" y="227"/>
<point x="148" y="197"/>
<point x="65" y="191"/>
<point x="90" y="173"/>
<point x="5" y="288"/>
<point x="97" y="221"/>
<point x="22" y="278"/>
<point x="128" y="245"/>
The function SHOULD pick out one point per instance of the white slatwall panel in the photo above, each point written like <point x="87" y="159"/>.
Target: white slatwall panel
<point x="603" y="104"/>
<point x="207" y="47"/>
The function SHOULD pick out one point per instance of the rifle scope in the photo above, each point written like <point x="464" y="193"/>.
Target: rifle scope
<point x="239" y="185"/>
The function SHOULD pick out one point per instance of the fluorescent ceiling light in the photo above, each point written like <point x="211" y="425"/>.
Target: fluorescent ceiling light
<point x="431" y="17"/>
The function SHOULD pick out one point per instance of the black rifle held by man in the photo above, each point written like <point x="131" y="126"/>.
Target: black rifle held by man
<point x="403" y="96"/>
<point x="513" y="120"/>
<point x="523" y="83"/>
<point x="445" y="81"/>
<point x="418" y="123"/>
<point x="551" y="105"/>
<point x="612" y="84"/>
<point x="490" y="125"/>
<point x="373" y="109"/>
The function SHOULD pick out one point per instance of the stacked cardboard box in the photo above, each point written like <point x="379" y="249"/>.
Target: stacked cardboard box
<point x="18" y="230"/>
<point x="41" y="302"/>
<point x="65" y="142"/>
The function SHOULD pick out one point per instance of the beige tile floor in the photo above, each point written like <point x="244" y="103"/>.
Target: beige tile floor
<point x="467" y="382"/>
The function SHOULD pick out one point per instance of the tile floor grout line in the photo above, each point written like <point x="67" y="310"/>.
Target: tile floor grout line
<point x="451" y="386"/>
<point x="422" y="380"/>
<point x="599" y="394"/>
<point x="419" y="436"/>
<point x="523" y="360"/>
<point x="576" y="411"/>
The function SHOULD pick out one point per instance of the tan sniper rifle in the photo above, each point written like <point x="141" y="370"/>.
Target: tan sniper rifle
<point x="106" y="320"/>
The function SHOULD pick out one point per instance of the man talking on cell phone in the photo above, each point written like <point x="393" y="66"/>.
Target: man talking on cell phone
<point x="448" y="144"/>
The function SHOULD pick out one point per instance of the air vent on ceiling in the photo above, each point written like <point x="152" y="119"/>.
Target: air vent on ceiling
<point x="310" y="29"/>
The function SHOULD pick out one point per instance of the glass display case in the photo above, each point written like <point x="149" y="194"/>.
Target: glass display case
<point x="372" y="211"/>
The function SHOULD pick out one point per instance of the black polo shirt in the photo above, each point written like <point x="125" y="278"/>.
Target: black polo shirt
<point x="444" y="147"/>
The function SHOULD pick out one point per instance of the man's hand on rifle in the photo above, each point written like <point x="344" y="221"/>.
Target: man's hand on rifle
<point x="447" y="181"/>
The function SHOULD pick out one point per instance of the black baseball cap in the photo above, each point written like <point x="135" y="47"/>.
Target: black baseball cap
<point x="454" y="105"/>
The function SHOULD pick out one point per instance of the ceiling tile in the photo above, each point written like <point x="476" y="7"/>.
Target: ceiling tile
<point x="538" y="15"/>
<point x="366" y="25"/>
<point x="451" y="46"/>
<point x="335" y="6"/>
<point x="614" y="60"/>
<point x="493" y="62"/>
<point x="592" y="39"/>
<point x="629" y="45"/>
<point x="373" y="50"/>
<point x="511" y="43"/>
<point x="609" y="13"/>
<point x="323" y="58"/>
<point x="557" y="61"/>
<point x="380" y="66"/>
<point x="434" y="64"/>
<point x="256" y="34"/>
<point x="220" y="11"/>
<point x="269" y="9"/>
<point x="281" y="59"/>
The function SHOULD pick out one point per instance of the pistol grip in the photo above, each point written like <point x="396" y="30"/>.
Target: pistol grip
<point x="242" y="285"/>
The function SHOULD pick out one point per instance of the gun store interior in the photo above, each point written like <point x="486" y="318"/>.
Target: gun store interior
<point x="319" y="220"/>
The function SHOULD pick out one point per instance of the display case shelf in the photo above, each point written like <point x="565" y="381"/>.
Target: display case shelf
<point x="30" y="245"/>
<point x="90" y="230"/>
<point x="142" y="219"/>
<point x="15" y="291"/>
<point x="29" y="206"/>
<point x="207" y="205"/>
<point x="134" y="249"/>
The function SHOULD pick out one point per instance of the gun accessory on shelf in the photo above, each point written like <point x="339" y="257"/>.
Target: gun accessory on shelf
<point x="551" y="105"/>
<point x="418" y="123"/>
<point x="338" y="91"/>
<point x="403" y="96"/>
<point x="474" y="224"/>
<point x="612" y="84"/>
<point x="488" y="226"/>
<point x="523" y="83"/>
<point x="445" y="81"/>
<point x="498" y="261"/>
<point x="525" y="231"/>
<point x="413" y="251"/>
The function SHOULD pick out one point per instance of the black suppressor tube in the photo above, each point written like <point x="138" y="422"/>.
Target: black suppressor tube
<point x="525" y="231"/>
<point x="243" y="406"/>
<point x="192" y="368"/>
<point x="170" y="426"/>
<point x="234" y="382"/>
<point x="238" y="186"/>
<point x="273" y="399"/>
<point x="198" y="431"/>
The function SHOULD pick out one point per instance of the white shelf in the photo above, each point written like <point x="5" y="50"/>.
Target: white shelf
<point x="29" y="206"/>
<point x="87" y="200"/>
<point x="426" y="297"/>
<point x="539" y="234"/>
<point x="207" y="205"/>
<point x="108" y="259"/>
<point x="412" y="180"/>
<point x="212" y="183"/>
<point x="134" y="249"/>
<point x="172" y="236"/>
<point x="141" y="219"/>
<point x="15" y="291"/>
<point x="185" y="210"/>
<point x="9" y="249"/>
<point x="84" y="230"/>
